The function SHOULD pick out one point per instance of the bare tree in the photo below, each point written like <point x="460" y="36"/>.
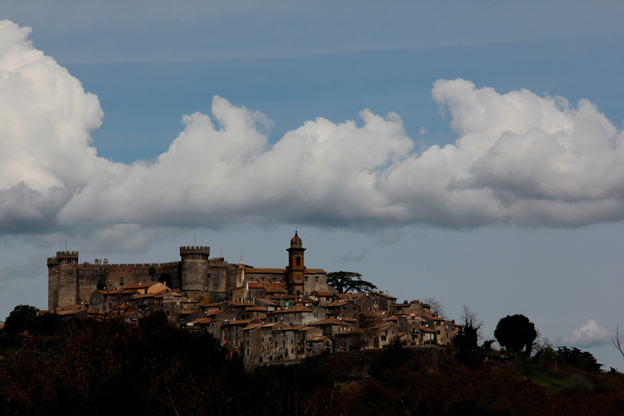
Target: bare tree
<point x="616" y="340"/>
<point x="471" y="322"/>
<point x="436" y="307"/>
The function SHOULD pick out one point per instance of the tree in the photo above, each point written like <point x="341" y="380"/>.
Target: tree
<point x="436" y="307"/>
<point x="21" y="319"/>
<point x="470" y="330"/>
<point x="516" y="333"/>
<point x="345" y="282"/>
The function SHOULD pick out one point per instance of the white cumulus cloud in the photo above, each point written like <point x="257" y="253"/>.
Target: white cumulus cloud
<point x="46" y="119"/>
<point x="519" y="159"/>
<point x="588" y="335"/>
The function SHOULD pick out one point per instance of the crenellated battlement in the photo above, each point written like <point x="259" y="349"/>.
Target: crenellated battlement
<point x="72" y="254"/>
<point x="195" y="252"/>
<point x="71" y="282"/>
<point x="64" y="257"/>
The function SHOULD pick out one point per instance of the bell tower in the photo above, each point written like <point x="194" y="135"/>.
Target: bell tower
<point x="296" y="266"/>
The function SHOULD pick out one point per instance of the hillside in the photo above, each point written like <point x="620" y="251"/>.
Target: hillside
<point x="113" y="368"/>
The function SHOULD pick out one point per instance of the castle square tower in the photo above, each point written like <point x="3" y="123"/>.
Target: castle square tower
<point x="296" y="265"/>
<point x="63" y="279"/>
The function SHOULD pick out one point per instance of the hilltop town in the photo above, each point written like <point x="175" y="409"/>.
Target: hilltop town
<point x="264" y="314"/>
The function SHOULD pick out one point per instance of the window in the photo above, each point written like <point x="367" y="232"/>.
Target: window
<point x="247" y="351"/>
<point x="298" y="260"/>
<point x="316" y="279"/>
<point x="248" y="343"/>
<point x="383" y="337"/>
<point x="306" y="278"/>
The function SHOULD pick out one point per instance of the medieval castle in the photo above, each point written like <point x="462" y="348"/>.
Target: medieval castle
<point x="201" y="278"/>
<point x="263" y="314"/>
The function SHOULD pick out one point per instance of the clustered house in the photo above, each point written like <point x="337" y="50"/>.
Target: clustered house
<point x="263" y="314"/>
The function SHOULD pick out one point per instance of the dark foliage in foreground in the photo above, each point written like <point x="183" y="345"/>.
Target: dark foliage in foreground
<point x="102" y="368"/>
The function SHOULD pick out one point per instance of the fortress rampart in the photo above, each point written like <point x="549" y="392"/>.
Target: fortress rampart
<point x="71" y="283"/>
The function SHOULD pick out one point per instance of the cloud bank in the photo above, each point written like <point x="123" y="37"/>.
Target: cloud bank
<point x="588" y="335"/>
<point x="520" y="159"/>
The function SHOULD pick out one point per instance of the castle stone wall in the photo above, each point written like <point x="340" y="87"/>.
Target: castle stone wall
<point x="53" y="283"/>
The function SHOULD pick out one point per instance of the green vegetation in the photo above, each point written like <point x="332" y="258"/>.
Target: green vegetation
<point x="516" y="333"/>
<point x="22" y="318"/>
<point x="345" y="282"/>
<point x="75" y="367"/>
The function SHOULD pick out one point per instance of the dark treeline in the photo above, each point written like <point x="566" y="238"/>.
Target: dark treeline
<point x="102" y="368"/>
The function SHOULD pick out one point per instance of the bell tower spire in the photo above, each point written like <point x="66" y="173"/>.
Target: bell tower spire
<point x="296" y="265"/>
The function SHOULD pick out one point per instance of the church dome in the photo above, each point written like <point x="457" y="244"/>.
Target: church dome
<point x="296" y="241"/>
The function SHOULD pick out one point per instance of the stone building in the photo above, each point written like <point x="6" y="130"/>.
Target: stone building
<point x="204" y="279"/>
<point x="198" y="276"/>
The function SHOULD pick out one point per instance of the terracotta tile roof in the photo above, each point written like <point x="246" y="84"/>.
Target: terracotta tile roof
<point x="215" y="313"/>
<point x="71" y="310"/>
<point x="291" y="310"/>
<point x="251" y="326"/>
<point x="253" y="285"/>
<point x="339" y="302"/>
<point x="325" y="294"/>
<point x="382" y="325"/>
<point x="266" y="301"/>
<point x="284" y="328"/>
<point x="306" y="328"/>
<point x="240" y="322"/>
<point x="110" y="292"/>
<point x="317" y="339"/>
<point x="431" y="316"/>
<point x="275" y="290"/>
<point x="142" y="285"/>
<point x="385" y="295"/>
<point x="145" y="295"/>
<point x="256" y="309"/>
<point x="264" y="271"/>
<point x="297" y="327"/>
<point x="328" y="321"/>
<point x="314" y="271"/>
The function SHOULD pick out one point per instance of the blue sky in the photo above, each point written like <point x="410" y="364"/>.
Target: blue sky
<point x="151" y="63"/>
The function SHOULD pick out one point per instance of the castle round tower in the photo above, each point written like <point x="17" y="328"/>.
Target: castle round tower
<point x="194" y="268"/>
<point x="63" y="279"/>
